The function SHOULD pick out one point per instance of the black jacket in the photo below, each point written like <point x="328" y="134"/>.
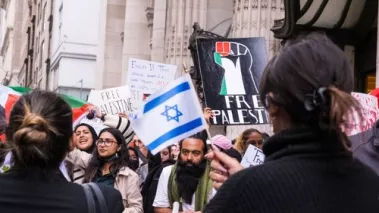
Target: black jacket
<point x="21" y="194"/>
<point x="365" y="147"/>
<point x="151" y="184"/>
<point x="304" y="171"/>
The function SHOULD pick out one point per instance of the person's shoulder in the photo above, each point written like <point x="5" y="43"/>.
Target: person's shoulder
<point x="261" y="173"/>
<point x="127" y="172"/>
<point x="167" y="170"/>
<point x="234" y="154"/>
<point x="112" y="198"/>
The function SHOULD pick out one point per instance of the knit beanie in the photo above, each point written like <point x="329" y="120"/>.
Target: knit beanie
<point x="222" y="142"/>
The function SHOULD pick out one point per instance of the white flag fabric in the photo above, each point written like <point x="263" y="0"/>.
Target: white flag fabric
<point x="169" y="115"/>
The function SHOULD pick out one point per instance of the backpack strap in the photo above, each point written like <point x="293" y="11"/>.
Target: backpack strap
<point x="90" y="199"/>
<point x="100" y="197"/>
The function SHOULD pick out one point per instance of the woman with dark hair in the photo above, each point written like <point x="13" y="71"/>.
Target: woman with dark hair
<point x="133" y="159"/>
<point x="309" y="165"/>
<point x="38" y="136"/>
<point x="110" y="166"/>
<point x="85" y="137"/>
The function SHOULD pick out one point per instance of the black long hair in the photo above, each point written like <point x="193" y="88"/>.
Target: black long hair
<point x="97" y="162"/>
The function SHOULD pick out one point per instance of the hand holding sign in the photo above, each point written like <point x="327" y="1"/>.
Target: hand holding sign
<point x="123" y="115"/>
<point x="95" y="110"/>
<point x="208" y="114"/>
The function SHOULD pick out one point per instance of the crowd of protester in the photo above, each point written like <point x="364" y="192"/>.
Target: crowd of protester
<point x="308" y="165"/>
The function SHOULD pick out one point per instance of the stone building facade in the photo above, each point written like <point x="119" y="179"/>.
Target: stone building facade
<point x="117" y="30"/>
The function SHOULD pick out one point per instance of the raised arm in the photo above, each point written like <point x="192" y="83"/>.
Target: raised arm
<point x="79" y="158"/>
<point x="120" y="122"/>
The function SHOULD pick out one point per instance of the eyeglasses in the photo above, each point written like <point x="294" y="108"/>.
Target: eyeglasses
<point x="195" y="153"/>
<point x="106" y="142"/>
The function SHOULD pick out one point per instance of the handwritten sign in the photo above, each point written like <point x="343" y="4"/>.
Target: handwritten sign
<point x="146" y="77"/>
<point x="112" y="101"/>
<point x="369" y="111"/>
<point x="253" y="157"/>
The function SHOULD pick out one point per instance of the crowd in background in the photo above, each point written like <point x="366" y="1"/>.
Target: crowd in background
<point x="309" y="166"/>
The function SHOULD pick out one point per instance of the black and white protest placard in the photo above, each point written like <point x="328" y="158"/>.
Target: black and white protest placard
<point x="231" y="70"/>
<point x="112" y="100"/>
<point x="253" y="157"/>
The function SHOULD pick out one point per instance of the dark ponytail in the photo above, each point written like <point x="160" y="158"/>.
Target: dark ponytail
<point x="39" y="131"/>
<point x="342" y="107"/>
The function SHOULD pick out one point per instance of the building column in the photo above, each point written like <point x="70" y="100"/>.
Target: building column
<point x="100" y="58"/>
<point x="254" y="18"/>
<point x="181" y="15"/>
<point x="158" y="36"/>
<point x="136" y="34"/>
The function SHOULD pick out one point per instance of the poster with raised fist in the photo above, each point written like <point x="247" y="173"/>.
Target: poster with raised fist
<point x="231" y="70"/>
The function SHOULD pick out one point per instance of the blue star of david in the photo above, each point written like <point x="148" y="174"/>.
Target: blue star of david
<point x="170" y="110"/>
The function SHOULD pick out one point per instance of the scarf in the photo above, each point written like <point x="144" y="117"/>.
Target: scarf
<point x="201" y="194"/>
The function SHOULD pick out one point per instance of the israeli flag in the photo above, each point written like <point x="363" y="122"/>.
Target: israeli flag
<point x="169" y="115"/>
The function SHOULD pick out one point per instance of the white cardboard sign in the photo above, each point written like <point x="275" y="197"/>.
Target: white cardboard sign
<point x="253" y="157"/>
<point x="112" y="100"/>
<point x="145" y="78"/>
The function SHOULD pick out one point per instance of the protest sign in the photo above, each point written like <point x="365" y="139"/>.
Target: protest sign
<point x="146" y="77"/>
<point x="112" y="100"/>
<point x="231" y="70"/>
<point x="253" y="157"/>
<point x="369" y="111"/>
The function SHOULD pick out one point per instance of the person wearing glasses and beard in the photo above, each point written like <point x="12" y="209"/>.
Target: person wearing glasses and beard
<point x="187" y="182"/>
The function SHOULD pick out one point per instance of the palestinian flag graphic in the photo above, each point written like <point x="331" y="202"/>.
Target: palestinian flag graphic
<point x="9" y="96"/>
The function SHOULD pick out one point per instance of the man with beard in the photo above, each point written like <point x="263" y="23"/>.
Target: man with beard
<point x="187" y="182"/>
